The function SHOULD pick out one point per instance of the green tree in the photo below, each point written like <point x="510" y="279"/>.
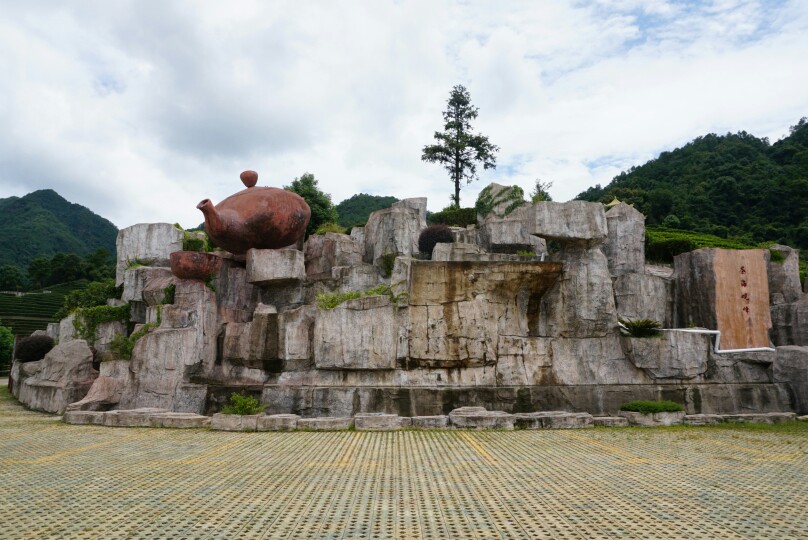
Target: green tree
<point x="38" y="271"/>
<point x="322" y="209"/>
<point x="458" y="149"/>
<point x="6" y="347"/>
<point x="541" y="192"/>
<point x="11" y="278"/>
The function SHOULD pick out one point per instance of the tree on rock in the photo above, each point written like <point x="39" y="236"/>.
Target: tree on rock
<point x="458" y="149"/>
<point x="322" y="209"/>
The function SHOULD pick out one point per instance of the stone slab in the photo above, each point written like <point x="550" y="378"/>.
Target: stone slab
<point x="277" y="422"/>
<point x="95" y="418"/>
<point x="275" y="266"/>
<point x="761" y="418"/>
<point x="234" y="422"/>
<point x="430" y="422"/>
<point x="703" y="419"/>
<point x="148" y="244"/>
<point x="179" y="420"/>
<point x="377" y="422"/>
<point x="569" y="221"/>
<point x="325" y="424"/>
<point x="610" y="421"/>
<point x="131" y="417"/>
<point x="655" y="419"/>
<point x="473" y="418"/>
<point x="553" y="420"/>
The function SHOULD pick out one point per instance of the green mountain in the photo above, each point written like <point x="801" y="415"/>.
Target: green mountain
<point x="43" y="223"/>
<point x="732" y="186"/>
<point x="355" y="211"/>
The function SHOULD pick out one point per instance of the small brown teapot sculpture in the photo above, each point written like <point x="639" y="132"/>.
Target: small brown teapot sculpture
<point x="256" y="217"/>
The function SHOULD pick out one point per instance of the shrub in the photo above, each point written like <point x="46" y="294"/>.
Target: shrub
<point x="87" y="320"/>
<point x="388" y="263"/>
<point x="33" y="348"/>
<point x="776" y="257"/>
<point x="432" y="235"/>
<point x="639" y="328"/>
<point x="123" y="346"/>
<point x="651" y="407"/>
<point x="457" y="217"/>
<point x="330" y="301"/>
<point x="329" y="227"/>
<point x="95" y="294"/>
<point x="240" y="404"/>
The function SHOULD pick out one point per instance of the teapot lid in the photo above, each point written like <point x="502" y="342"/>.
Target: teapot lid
<point x="249" y="178"/>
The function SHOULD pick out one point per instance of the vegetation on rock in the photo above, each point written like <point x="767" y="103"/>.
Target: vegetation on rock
<point x="322" y="209"/>
<point x="639" y="328"/>
<point x="6" y="348"/>
<point x="651" y="407"/>
<point x="330" y="228"/>
<point x="432" y="235"/>
<point x="487" y="201"/>
<point x="244" y="405"/>
<point x="94" y="294"/>
<point x="87" y="320"/>
<point x="456" y="217"/>
<point x="33" y="348"/>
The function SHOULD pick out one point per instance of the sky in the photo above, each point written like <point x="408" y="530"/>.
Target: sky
<point x="140" y="109"/>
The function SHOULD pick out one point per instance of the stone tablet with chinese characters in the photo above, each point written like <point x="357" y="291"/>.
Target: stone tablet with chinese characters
<point x="742" y="298"/>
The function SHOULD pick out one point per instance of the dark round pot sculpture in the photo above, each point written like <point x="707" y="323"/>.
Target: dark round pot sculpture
<point x="256" y="217"/>
<point x="194" y="264"/>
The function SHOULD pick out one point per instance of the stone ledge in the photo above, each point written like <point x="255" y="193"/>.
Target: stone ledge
<point x="760" y="418"/>
<point x="277" y="422"/>
<point x="234" y="422"/>
<point x="553" y="420"/>
<point x="480" y="418"/>
<point x="95" y="418"/>
<point x="610" y="421"/>
<point x="703" y="419"/>
<point x="325" y="424"/>
<point x="430" y="422"/>
<point x="654" y="419"/>
<point x="377" y="422"/>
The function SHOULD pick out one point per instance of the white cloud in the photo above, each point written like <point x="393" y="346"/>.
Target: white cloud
<point x="140" y="109"/>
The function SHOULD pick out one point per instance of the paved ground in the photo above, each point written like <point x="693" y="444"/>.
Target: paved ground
<point x="60" y="481"/>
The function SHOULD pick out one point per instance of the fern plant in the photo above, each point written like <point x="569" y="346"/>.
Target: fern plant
<point x="639" y="328"/>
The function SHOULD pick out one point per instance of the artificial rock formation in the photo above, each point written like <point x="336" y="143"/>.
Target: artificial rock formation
<point x="477" y="326"/>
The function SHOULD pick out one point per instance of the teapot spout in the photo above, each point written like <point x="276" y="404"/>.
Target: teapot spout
<point x="213" y="223"/>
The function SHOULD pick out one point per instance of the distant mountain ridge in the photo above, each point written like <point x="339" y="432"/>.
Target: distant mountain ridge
<point x="44" y="223"/>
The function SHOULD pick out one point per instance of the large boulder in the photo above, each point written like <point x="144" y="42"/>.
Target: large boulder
<point x="570" y="221"/>
<point x="784" y="275"/>
<point x="357" y="334"/>
<point x="137" y="278"/>
<point x="392" y="231"/>
<point x="581" y="303"/>
<point x="416" y="203"/>
<point x="275" y="266"/>
<point x="147" y="244"/>
<point x="324" y="252"/>
<point x="106" y="390"/>
<point x="791" y="367"/>
<point x="64" y="376"/>
<point x="644" y="296"/>
<point x="672" y="355"/>
<point x="625" y="244"/>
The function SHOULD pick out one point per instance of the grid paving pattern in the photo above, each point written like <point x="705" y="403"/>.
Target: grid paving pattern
<point x="61" y="481"/>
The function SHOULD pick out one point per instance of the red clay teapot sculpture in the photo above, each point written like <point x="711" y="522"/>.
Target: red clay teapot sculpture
<point x="256" y="217"/>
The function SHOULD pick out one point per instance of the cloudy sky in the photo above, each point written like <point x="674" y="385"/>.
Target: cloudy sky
<point x="139" y="109"/>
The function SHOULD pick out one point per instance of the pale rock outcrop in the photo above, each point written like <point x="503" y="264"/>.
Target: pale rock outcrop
<point x="416" y="203"/>
<point x="672" y="355"/>
<point x="357" y="334"/>
<point x="784" y="277"/>
<point x="581" y="303"/>
<point x="64" y="376"/>
<point x="391" y="231"/>
<point x="625" y="244"/>
<point x="570" y="221"/>
<point x="644" y="296"/>
<point x="359" y="277"/>
<point x="324" y="252"/>
<point x="296" y="331"/>
<point x="136" y="280"/>
<point x="149" y="244"/>
<point x="455" y="252"/>
<point x="358" y="234"/>
<point x="253" y="344"/>
<point x="67" y="328"/>
<point x="273" y="266"/>
<point x="596" y="360"/>
<point x="106" y="389"/>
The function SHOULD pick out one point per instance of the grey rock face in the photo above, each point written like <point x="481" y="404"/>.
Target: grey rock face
<point x="359" y="277"/>
<point x="790" y="323"/>
<point x="458" y="310"/>
<point x="672" y="355"/>
<point x="415" y="203"/>
<point x="296" y="331"/>
<point x="324" y="252"/>
<point x="655" y="419"/>
<point x="358" y="334"/>
<point x="392" y="231"/>
<point x="573" y="220"/>
<point x="581" y="303"/>
<point x="272" y="266"/>
<point x="455" y="252"/>
<point x="625" y="245"/>
<point x="149" y="244"/>
<point x="254" y="343"/>
<point x="644" y="296"/>
<point x="136" y="279"/>
<point x="791" y="367"/>
<point x="784" y="277"/>
<point x="64" y="376"/>
<point x="593" y="361"/>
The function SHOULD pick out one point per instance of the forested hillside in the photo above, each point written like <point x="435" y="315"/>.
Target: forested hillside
<point x="355" y="211"/>
<point x="733" y="185"/>
<point x="42" y="224"/>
